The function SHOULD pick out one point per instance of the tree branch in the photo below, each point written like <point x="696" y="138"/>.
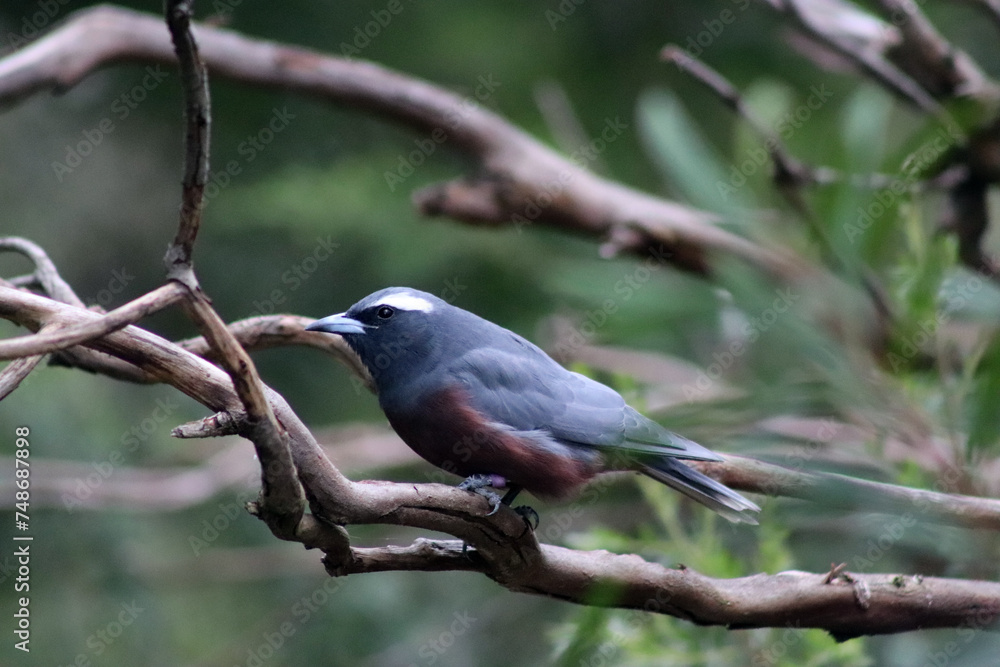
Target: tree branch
<point x="282" y="499"/>
<point x="268" y="331"/>
<point x="197" y="122"/>
<point x="849" y="605"/>
<point x="522" y="181"/>
<point x="929" y="58"/>
<point x="15" y="372"/>
<point x="64" y="337"/>
<point x="865" y="54"/>
<point x="46" y="275"/>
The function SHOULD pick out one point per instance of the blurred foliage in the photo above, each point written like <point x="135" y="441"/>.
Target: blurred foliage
<point x="309" y="225"/>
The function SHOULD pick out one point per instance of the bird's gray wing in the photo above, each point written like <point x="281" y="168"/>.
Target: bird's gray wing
<point x="528" y="391"/>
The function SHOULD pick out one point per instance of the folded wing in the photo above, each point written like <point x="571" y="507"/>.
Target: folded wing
<point x="527" y="390"/>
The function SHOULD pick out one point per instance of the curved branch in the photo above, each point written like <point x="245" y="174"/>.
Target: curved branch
<point x="522" y="181"/>
<point x="197" y="124"/>
<point x="267" y="331"/>
<point x="864" y="54"/>
<point x="15" y="372"/>
<point x="45" y="274"/>
<point x="846" y="605"/>
<point x="63" y="337"/>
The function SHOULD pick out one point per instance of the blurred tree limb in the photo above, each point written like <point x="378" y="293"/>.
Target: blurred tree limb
<point x="519" y="174"/>
<point x="907" y="56"/>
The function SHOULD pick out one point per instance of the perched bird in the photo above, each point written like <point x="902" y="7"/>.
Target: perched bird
<point x="482" y="402"/>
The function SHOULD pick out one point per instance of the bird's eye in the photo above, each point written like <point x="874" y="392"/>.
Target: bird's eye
<point x="385" y="312"/>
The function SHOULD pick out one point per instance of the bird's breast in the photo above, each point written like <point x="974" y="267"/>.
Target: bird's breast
<point x="444" y="428"/>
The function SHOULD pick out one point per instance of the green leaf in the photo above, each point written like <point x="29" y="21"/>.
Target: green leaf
<point x="685" y="159"/>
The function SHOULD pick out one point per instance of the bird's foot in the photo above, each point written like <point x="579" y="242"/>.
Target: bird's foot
<point x="483" y="485"/>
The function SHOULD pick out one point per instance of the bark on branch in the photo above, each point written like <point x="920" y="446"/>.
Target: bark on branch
<point x="521" y="181"/>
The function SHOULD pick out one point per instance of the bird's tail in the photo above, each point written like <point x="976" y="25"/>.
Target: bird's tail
<point x="714" y="495"/>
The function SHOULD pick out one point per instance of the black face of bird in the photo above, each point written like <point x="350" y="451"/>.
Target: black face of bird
<point x="392" y="329"/>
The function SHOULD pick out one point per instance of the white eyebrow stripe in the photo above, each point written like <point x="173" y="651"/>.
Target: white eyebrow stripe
<point x="407" y="302"/>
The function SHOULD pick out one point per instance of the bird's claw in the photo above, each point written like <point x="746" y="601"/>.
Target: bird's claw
<point x="529" y="515"/>
<point x="483" y="485"/>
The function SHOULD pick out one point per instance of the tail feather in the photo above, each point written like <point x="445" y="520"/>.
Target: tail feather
<point x="710" y="493"/>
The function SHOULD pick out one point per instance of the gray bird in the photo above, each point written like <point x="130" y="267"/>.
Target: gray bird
<point x="482" y="402"/>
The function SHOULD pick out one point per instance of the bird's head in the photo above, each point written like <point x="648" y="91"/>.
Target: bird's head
<point x="394" y="331"/>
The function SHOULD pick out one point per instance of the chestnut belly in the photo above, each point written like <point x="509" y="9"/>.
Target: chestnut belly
<point x="458" y="439"/>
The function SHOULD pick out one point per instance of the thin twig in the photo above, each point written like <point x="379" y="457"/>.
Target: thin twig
<point x="45" y="274"/>
<point x="929" y="58"/>
<point x="282" y="501"/>
<point x="15" y="373"/>
<point x="790" y="174"/>
<point x="784" y="163"/>
<point x="268" y="331"/>
<point x="788" y="169"/>
<point x="870" y="62"/>
<point x="45" y="342"/>
<point x="197" y="124"/>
